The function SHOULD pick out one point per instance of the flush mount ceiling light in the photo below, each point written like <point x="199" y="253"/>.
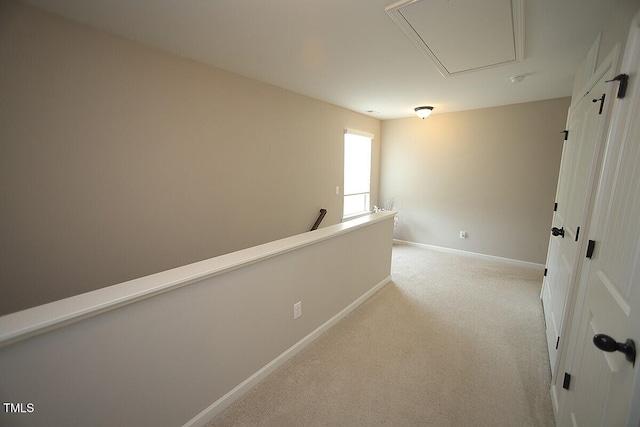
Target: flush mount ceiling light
<point x="517" y="79"/>
<point x="423" y="112"/>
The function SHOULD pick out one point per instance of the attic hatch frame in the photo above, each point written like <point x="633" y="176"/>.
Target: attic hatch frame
<point x="517" y="20"/>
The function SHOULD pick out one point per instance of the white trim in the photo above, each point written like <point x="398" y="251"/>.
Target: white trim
<point x="33" y="321"/>
<point x="475" y="254"/>
<point x="219" y="405"/>
<point x="356" y="215"/>
<point x="592" y="58"/>
<point x="633" y="39"/>
<point x="359" y="133"/>
<point x="607" y="63"/>
<point x="554" y="400"/>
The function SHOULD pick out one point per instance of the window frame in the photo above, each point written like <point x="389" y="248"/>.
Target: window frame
<point x="367" y="194"/>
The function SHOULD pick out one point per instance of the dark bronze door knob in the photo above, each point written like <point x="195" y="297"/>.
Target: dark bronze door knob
<point x="606" y="343"/>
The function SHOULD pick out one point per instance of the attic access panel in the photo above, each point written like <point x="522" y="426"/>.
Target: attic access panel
<point x="460" y="36"/>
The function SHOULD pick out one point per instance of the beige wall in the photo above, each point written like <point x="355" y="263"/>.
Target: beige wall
<point x="119" y="160"/>
<point x="490" y="172"/>
<point x="166" y="359"/>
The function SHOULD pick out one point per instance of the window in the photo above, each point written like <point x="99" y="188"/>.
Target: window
<point x="357" y="172"/>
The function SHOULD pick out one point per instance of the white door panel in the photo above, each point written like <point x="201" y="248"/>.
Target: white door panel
<point x="604" y="384"/>
<point x="600" y="370"/>
<point x="549" y="297"/>
<point x="580" y="160"/>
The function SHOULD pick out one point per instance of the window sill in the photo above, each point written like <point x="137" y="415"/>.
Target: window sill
<point x="356" y="215"/>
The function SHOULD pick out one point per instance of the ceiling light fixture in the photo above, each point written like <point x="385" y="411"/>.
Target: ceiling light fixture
<point x="517" y="79"/>
<point x="423" y="112"/>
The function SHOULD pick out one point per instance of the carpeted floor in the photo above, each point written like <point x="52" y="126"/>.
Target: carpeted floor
<point x="453" y="340"/>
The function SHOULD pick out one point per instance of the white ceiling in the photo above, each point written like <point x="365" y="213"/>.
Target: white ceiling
<point x="349" y="52"/>
<point x="493" y="32"/>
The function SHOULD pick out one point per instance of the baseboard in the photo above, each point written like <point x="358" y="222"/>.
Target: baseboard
<point x="205" y="416"/>
<point x="554" y="401"/>
<point x="475" y="254"/>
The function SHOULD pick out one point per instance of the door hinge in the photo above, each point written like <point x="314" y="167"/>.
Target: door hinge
<point x="555" y="206"/>
<point x="545" y="272"/>
<point x="577" y="233"/>
<point x="622" y="89"/>
<point x="567" y="381"/>
<point x="590" y="247"/>
<point x="557" y="342"/>
<point x="566" y="134"/>
<point x="601" y="101"/>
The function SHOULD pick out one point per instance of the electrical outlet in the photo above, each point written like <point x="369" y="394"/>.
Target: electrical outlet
<point x="463" y="234"/>
<point x="297" y="310"/>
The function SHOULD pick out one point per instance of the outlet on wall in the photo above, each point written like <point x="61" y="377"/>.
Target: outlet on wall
<point x="297" y="310"/>
<point x="463" y="234"/>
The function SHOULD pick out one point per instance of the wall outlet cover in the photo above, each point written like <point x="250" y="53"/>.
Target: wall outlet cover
<point x="297" y="310"/>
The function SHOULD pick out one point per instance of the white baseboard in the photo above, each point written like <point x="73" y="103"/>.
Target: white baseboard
<point x="554" y="400"/>
<point x="475" y="254"/>
<point x="205" y="416"/>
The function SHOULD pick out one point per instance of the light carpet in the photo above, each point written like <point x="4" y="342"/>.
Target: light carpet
<point x="453" y="340"/>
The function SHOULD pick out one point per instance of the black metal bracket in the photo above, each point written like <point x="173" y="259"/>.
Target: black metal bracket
<point x="590" y="247"/>
<point x="624" y="80"/>
<point x="601" y="101"/>
<point x="566" y="134"/>
<point x="567" y="381"/>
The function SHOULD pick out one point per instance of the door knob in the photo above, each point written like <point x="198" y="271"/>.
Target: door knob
<point x="558" y="231"/>
<point x="606" y="343"/>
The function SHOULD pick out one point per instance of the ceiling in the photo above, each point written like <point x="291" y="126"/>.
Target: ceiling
<point x="350" y="52"/>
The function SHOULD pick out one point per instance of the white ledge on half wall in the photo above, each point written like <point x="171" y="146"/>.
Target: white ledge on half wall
<point x="33" y="321"/>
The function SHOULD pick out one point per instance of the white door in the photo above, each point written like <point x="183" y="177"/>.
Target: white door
<point x="603" y="384"/>
<point x="576" y="182"/>
<point x="558" y="274"/>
